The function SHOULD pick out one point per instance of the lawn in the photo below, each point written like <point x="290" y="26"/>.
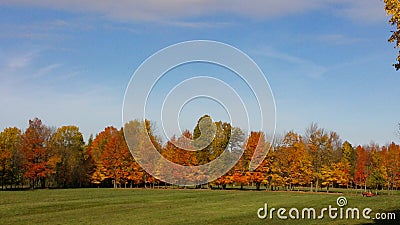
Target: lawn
<point x="172" y="206"/>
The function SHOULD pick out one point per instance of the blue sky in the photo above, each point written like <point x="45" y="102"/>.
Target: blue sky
<point x="327" y="61"/>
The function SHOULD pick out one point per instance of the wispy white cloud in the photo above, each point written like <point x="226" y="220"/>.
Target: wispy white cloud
<point x="20" y="61"/>
<point x="37" y="30"/>
<point x="198" y="24"/>
<point x="70" y="75"/>
<point x="50" y="92"/>
<point x="82" y="107"/>
<point x="19" y="68"/>
<point x="46" y="70"/>
<point x="114" y="27"/>
<point x="362" y="11"/>
<point x="337" y="39"/>
<point x="14" y="66"/>
<point x="300" y="66"/>
<point x="180" y="10"/>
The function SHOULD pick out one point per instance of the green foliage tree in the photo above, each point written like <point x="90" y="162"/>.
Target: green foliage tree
<point x="348" y="160"/>
<point x="203" y="135"/>
<point x="378" y="174"/>
<point x="68" y="143"/>
<point x="221" y="139"/>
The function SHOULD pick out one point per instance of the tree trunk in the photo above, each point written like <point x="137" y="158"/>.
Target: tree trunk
<point x="43" y="182"/>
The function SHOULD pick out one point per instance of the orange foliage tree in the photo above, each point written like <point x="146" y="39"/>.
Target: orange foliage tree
<point x="96" y="171"/>
<point x="362" y="167"/>
<point x="255" y="143"/>
<point x="39" y="161"/>
<point x="116" y="159"/>
<point x="393" y="166"/>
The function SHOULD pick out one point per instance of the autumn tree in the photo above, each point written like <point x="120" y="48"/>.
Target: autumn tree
<point x="203" y="135"/>
<point x="177" y="150"/>
<point x="392" y="8"/>
<point x="221" y="140"/>
<point x="378" y="174"/>
<point x="237" y="140"/>
<point x="235" y="148"/>
<point x="362" y="168"/>
<point x="348" y="158"/>
<point x="111" y="161"/>
<point x="45" y="156"/>
<point x="145" y="147"/>
<point x="393" y="166"/>
<point x="116" y="159"/>
<point x="321" y="146"/>
<point x="96" y="169"/>
<point x="240" y="173"/>
<point x="255" y="142"/>
<point x="220" y="149"/>
<point x="335" y="174"/>
<point x="68" y="144"/>
<point x="213" y="139"/>
<point x="292" y="162"/>
<point x="339" y="172"/>
<point x="299" y="165"/>
<point x="39" y="160"/>
<point x="169" y="153"/>
<point x="274" y="173"/>
<point x="10" y="157"/>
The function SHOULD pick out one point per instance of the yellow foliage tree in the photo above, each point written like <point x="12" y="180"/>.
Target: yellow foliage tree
<point x="392" y="8"/>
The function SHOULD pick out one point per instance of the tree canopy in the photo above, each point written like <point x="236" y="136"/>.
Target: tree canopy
<point x="40" y="157"/>
<point x="392" y="8"/>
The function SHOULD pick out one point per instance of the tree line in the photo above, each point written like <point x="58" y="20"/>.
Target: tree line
<point x="43" y="157"/>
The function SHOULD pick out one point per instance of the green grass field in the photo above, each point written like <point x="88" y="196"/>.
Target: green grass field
<point x="159" y="206"/>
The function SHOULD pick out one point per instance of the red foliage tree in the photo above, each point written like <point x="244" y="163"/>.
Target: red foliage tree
<point x="39" y="162"/>
<point x="361" y="171"/>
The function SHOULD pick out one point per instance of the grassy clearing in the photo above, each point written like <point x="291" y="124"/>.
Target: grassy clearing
<point x="153" y="206"/>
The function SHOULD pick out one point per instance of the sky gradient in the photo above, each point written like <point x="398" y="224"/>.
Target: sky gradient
<point x="327" y="61"/>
